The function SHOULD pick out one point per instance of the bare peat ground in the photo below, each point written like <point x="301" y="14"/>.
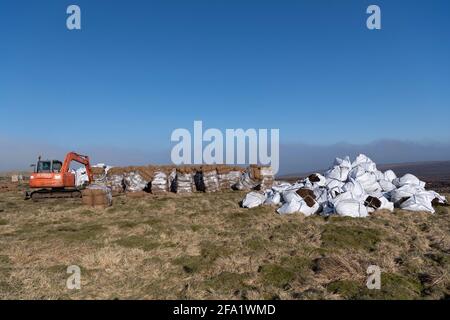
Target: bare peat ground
<point x="204" y="246"/>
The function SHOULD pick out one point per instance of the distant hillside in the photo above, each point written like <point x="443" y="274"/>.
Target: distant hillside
<point x="435" y="173"/>
<point x="430" y="170"/>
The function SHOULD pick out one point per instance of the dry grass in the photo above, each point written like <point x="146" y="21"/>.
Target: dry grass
<point x="204" y="246"/>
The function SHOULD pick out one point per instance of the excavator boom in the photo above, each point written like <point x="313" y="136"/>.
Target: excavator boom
<point x="72" y="156"/>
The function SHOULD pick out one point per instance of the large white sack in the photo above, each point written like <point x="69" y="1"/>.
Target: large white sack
<point x="272" y="198"/>
<point x="315" y="180"/>
<point x="386" y="204"/>
<point x="355" y="188"/>
<point x="405" y="191"/>
<point x="419" y="202"/>
<point x="389" y="175"/>
<point x="408" y="179"/>
<point x="440" y="199"/>
<point x="307" y="210"/>
<point x="343" y="162"/>
<point x="290" y="207"/>
<point x="253" y="199"/>
<point x="284" y="186"/>
<point x="321" y="195"/>
<point x="290" y="195"/>
<point x="386" y="186"/>
<point x="365" y="163"/>
<point x="367" y="179"/>
<point x="380" y="202"/>
<point x="351" y="208"/>
<point x="337" y="173"/>
<point x="334" y="187"/>
<point x="81" y="177"/>
<point x="379" y="175"/>
<point x="343" y="197"/>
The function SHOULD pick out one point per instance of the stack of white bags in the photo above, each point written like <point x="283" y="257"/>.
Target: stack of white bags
<point x="352" y="189"/>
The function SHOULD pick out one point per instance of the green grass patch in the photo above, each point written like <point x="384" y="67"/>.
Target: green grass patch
<point x="138" y="242"/>
<point x="356" y="237"/>
<point x="209" y="253"/>
<point x="79" y="233"/>
<point x="297" y="264"/>
<point x="276" y="275"/>
<point x="393" y="287"/>
<point x="87" y="212"/>
<point x="256" y="243"/>
<point x="226" y="282"/>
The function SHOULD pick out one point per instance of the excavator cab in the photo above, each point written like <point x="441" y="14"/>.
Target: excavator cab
<point x="47" y="166"/>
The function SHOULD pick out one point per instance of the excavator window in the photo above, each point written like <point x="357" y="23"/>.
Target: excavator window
<point x="44" y="166"/>
<point x="56" y="166"/>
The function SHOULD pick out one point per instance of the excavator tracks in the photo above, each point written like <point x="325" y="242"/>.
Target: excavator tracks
<point x="53" y="194"/>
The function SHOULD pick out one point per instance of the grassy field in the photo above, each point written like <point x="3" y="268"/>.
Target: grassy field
<point x="204" y="246"/>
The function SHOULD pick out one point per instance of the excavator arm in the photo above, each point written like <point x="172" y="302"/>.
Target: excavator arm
<point x="73" y="156"/>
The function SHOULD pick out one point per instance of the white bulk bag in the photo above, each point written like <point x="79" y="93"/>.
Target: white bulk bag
<point x="367" y="179"/>
<point x="290" y="207"/>
<point x="390" y="175"/>
<point x="408" y="179"/>
<point x="290" y="195"/>
<point x="253" y="199"/>
<point x="334" y="187"/>
<point x="272" y="198"/>
<point x="338" y="173"/>
<point x="345" y="163"/>
<point x="365" y="163"/>
<point x="379" y="175"/>
<point x="441" y="199"/>
<point x="386" y="204"/>
<point x="321" y="194"/>
<point x="386" y="186"/>
<point x="419" y="202"/>
<point x="307" y="210"/>
<point x="355" y="188"/>
<point x="405" y="191"/>
<point x="351" y="208"/>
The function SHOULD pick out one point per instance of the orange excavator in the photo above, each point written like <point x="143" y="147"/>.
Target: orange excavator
<point x="53" y="178"/>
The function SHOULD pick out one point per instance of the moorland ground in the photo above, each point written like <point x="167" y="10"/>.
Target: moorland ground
<point x="205" y="246"/>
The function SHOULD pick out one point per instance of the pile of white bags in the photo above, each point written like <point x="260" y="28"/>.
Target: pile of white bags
<point x="352" y="189"/>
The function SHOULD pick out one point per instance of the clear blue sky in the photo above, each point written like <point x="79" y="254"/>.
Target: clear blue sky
<point x="139" y="69"/>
